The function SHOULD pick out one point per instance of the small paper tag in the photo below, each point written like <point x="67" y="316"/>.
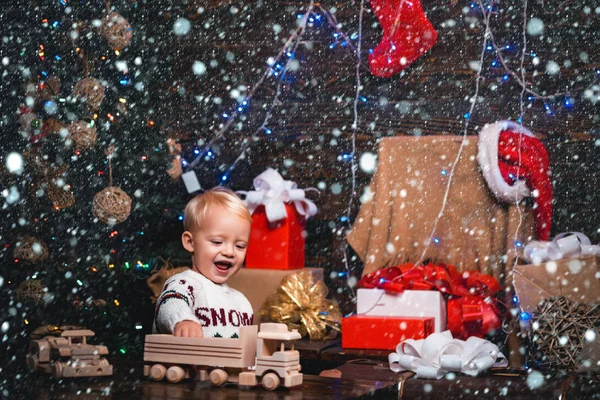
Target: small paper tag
<point x="191" y="181"/>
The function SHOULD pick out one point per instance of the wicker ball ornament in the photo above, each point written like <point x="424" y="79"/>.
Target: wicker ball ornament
<point x="60" y="197"/>
<point x="44" y="90"/>
<point x="116" y="30"/>
<point x="560" y="329"/>
<point x="91" y="91"/>
<point x="111" y="205"/>
<point x="50" y="88"/>
<point x="31" y="290"/>
<point x="83" y="134"/>
<point x="31" y="250"/>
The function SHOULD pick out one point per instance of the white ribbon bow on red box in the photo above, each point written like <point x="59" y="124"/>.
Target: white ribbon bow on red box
<point x="272" y="191"/>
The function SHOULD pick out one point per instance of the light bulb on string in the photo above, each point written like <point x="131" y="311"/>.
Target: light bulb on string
<point x="524" y="316"/>
<point x="568" y="103"/>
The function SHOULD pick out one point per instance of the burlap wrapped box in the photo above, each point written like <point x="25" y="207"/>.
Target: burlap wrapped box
<point x="258" y="284"/>
<point x="577" y="279"/>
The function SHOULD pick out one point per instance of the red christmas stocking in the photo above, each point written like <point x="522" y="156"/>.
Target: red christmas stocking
<point x="407" y="35"/>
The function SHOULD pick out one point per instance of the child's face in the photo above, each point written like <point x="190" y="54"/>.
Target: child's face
<point x="219" y="245"/>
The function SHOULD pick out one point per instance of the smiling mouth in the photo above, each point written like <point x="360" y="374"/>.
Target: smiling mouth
<point x="223" y="266"/>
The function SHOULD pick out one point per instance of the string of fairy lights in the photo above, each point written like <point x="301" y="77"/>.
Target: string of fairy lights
<point x="473" y="101"/>
<point x="355" y="123"/>
<point x="279" y="66"/>
<point x="263" y="127"/>
<point x="516" y="243"/>
<point x="489" y="44"/>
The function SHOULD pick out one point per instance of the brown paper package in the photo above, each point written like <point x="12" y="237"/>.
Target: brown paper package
<point x="258" y="284"/>
<point x="577" y="279"/>
<point x="476" y="231"/>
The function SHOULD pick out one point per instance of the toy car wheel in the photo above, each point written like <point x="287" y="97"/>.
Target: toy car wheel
<point x="175" y="374"/>
<point x="57" y="369"/>
<point x="157" y="372"/>
<point x="218" y="377"/>
<point x="32" y="362"/>
<point x="270" y="381"/>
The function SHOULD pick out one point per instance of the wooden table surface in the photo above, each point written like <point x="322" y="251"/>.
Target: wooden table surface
<point x="355" y="374"/>
<point x="497" y="384"/>
<point x="128" y="383"/>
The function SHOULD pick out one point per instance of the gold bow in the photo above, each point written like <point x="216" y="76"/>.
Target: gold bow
<point x="301" y="303"/>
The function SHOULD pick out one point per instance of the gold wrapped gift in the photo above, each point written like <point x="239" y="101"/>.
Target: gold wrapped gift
<point x="301" y="303"/>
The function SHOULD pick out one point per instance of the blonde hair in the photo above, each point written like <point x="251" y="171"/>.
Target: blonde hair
<point x="198" y="208"/>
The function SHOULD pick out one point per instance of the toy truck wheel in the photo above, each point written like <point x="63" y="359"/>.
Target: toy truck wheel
<point x="32" y="362"/>
<point x="57" y="369"/>
<point x="175" y="374"/>
<point x="157" y="372"/>
<point x="218" y="377"/>
<point x="270" y="381"/>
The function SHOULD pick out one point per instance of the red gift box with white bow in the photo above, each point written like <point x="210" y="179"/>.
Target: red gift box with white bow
<point x="279" y="210"/>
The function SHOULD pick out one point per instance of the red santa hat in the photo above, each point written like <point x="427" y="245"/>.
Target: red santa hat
<point x="515" y="165"/>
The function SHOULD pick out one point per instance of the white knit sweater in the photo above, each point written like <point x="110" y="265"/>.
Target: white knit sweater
<point x="190" y="296"/>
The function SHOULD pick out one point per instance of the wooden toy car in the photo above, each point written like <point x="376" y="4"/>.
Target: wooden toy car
<point x="252" y="358"/>
<point x="68" y="356"/>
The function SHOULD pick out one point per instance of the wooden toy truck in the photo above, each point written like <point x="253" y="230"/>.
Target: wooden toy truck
<point x="252" y="358"/>
<point x="69" y="356"/>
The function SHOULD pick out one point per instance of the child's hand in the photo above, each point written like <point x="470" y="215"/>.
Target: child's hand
<point x="188" y="329"/>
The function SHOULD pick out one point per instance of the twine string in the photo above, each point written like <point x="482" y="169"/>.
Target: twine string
<point x="109" y="153"/>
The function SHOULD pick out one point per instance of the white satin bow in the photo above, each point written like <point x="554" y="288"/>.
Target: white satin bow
<point x="273" y="192"/>
<point x="439" y="354"/>
<point x="565" y="245"/>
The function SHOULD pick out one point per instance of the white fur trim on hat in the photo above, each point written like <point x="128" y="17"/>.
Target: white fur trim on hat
<point x="487" y="157"/>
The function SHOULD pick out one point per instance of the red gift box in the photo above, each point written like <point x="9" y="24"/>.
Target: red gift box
<point x="278" y="245"/>
<point x="383" y="333"/>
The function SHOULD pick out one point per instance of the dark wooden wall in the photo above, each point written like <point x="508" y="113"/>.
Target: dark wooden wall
<point x="312" y="122"/>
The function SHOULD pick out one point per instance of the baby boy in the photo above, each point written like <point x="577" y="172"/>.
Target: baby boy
<point x="198" y="302"/>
